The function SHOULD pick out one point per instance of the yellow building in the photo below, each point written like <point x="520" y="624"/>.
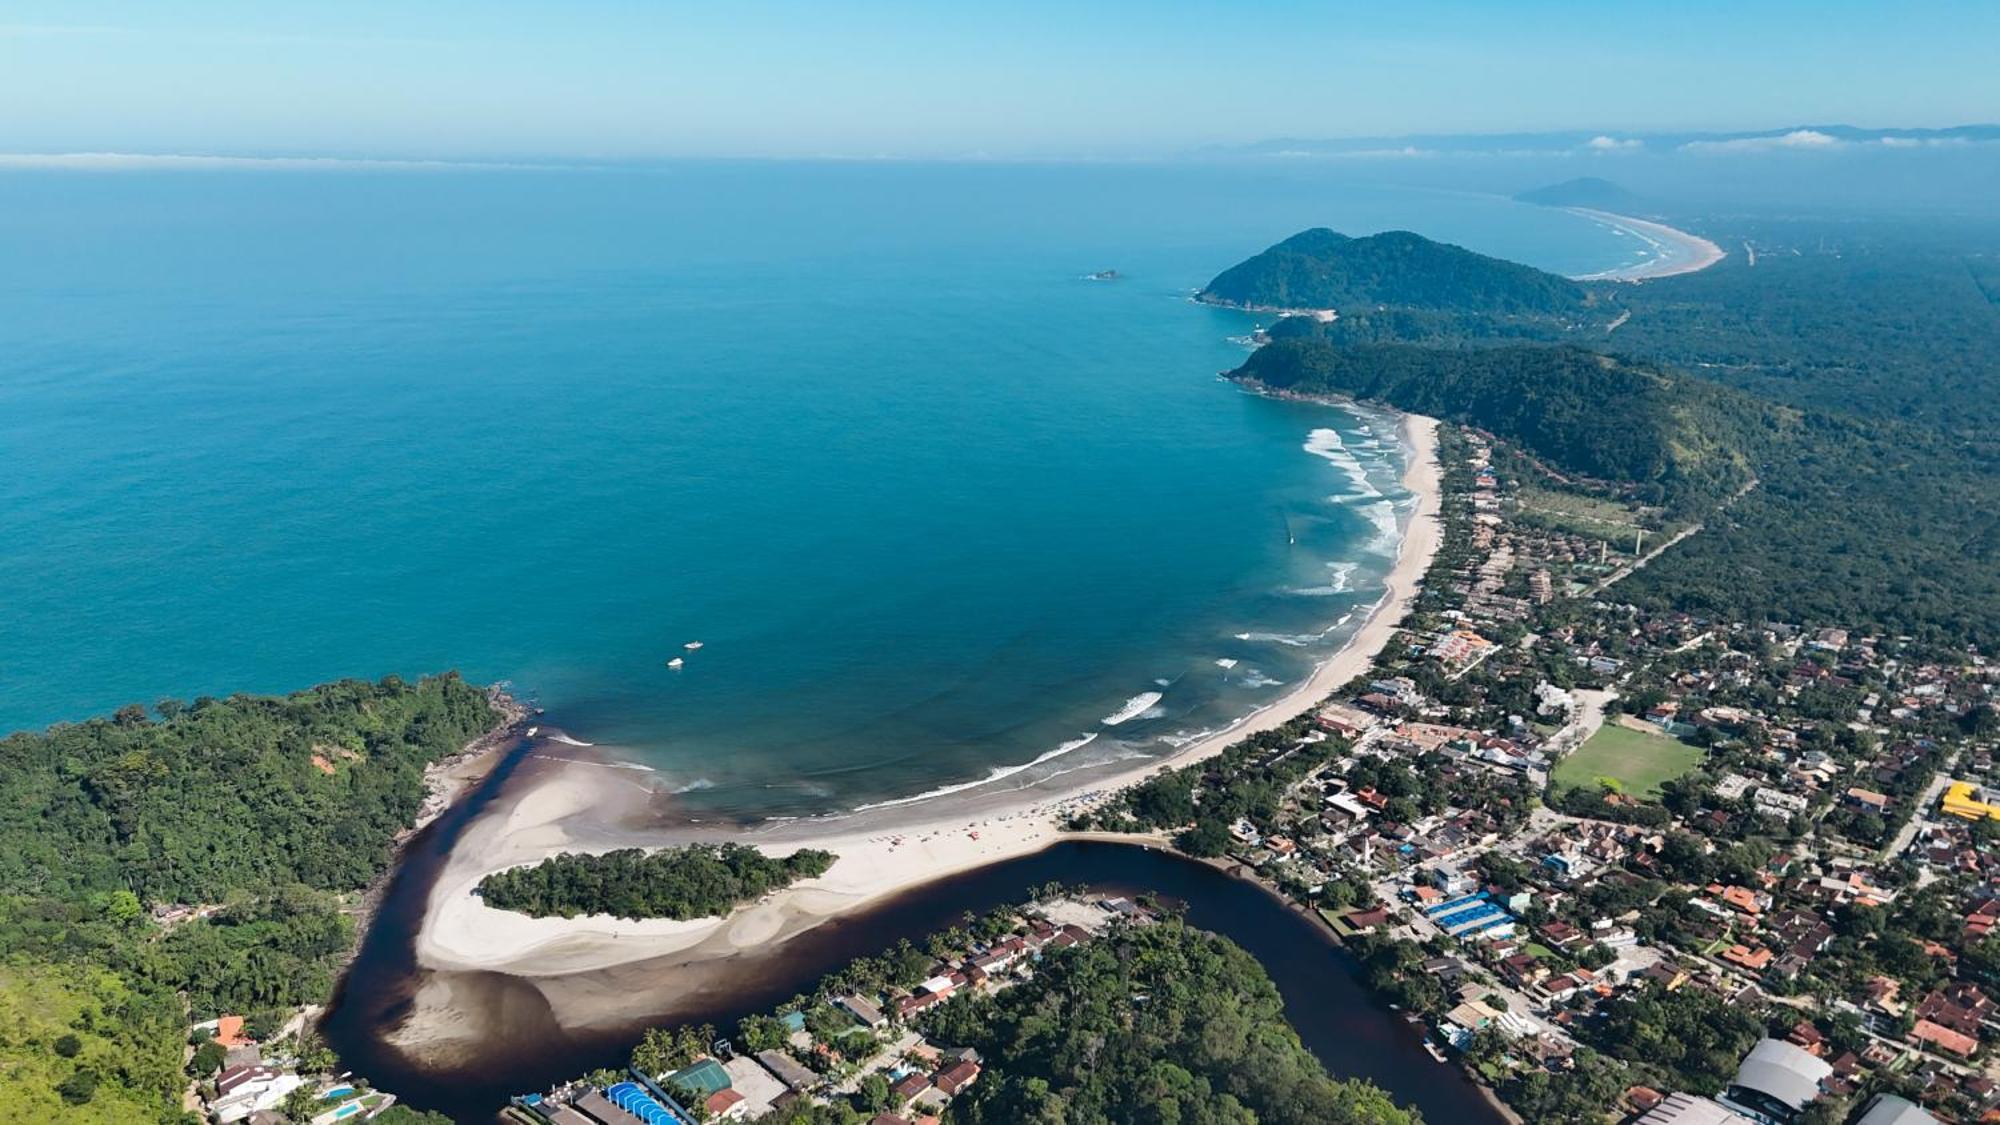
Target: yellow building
<point x="1964" y="799"/>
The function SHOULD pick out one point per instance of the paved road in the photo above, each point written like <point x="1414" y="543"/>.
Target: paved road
<point x="1925" y="804"/>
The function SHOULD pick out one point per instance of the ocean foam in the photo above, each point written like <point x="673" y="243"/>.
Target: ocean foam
<point x="1382" y="514"/>
<point x="1326" y="443"/>
<point x="566" y="740"/>
<point x="998" y="773"/>
<point x="1225" y="663"/>
<point x="1343" y="572"/>
<point x="695" y="786"/>
<point x="1134" y="707"/>
<point x="1295" y="640"/>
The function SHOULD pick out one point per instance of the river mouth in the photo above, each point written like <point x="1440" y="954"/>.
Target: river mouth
<point x="510" y="1041"/>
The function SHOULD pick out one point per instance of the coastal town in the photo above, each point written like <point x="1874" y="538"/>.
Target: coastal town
<point x="1622" y="862"/>
<point x="1617" y="863"/>
<point x="858" y="1042"/>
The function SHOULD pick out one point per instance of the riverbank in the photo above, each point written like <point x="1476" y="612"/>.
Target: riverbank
<point x="446" y="781"/>
<point x="573" y="803"/>
<point x="1675" y="251"/>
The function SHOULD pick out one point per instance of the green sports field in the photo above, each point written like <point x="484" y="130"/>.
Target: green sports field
<point x="1637" y="762"/>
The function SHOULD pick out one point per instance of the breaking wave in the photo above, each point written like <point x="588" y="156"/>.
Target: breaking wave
<point x="1326" y="443"/>
<point x="1134" y="707"/>
<point x="998" y="773"/>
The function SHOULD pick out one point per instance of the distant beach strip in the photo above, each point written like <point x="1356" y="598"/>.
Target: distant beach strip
<point x="1669" y="251"/>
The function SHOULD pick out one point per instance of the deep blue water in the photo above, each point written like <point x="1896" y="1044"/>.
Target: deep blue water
<point x="935" y="504"/>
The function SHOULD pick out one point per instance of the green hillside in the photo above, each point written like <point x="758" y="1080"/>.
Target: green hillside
<point x="1679" y="442"/>
<point x="1322" y="269"/>
<point x="1854" y="521"/>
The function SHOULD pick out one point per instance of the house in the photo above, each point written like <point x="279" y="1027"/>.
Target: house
<point x="229" y="1033"/>
<point x="1867" y="801"/>
<point x="865" y="1011"/>
<point x="1960" y="1007"/>
<point x="1743" y="900"/>
<point x="1755" y="960"/>
<point x="910" y="1086"/>
<point x="1560" y="933"/>
<point x="1944" y="1038"/>
<point x="910" y="1005"/>
<point x="1667" y="974"/>
<point x="724" y="1104"/>
<point x="956" y="1077"/>
<point x="251" y="1089"/>
<point x="788" y="1070"/>
<point x="1365" y="920"/>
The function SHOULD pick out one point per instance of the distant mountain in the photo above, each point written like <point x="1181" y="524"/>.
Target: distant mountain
<point x="1584" y="191"/>
<point x="1323" y="269"/>
<point x="1514" y="144"/>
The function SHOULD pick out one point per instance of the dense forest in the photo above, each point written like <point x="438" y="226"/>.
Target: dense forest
<point x="1895" y="321"/>
<point x="1679" y="441"/>
<point x="1322" y="269"/>
<point x="696" y="881"/>
<point x="1159" y="1024"/>
<point x="217" y="802"/>
<point x="198" y="800"/>
<point x="1866" y="422"/>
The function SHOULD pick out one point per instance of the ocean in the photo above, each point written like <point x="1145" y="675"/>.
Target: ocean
<point x="935" y="504"/>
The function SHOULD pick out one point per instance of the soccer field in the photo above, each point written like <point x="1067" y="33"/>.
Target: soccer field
<point x="1636" y="761"/>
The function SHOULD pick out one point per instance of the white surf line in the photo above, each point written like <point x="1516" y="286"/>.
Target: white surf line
<point x="1661" y="239"/>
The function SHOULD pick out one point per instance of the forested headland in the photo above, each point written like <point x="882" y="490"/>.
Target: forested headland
<point x="1876" y="500"/>
<point x="695" y="881"/>
<point x="1323" y="269"/>
<point x="260" y="812"/>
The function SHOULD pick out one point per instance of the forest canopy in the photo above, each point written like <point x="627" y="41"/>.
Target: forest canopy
<point x="1323" y="269"/>
<point x="1157" y="1023"/>
<point x="696" y="881"/>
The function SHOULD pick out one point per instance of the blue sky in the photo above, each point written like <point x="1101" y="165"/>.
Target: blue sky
<point x="501" y="78"/>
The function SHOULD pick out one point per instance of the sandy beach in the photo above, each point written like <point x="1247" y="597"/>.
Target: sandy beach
<point x="568" y="802"/>
<point x="1674" y="251"/>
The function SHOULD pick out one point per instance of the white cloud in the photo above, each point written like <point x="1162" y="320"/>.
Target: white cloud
<point x="1601" y="143"/>
<point x="1797" y="139"/>
<point x="185" y="162"/>
<point x="1925" y="142"/>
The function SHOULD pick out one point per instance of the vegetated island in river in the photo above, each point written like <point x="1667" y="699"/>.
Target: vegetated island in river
<point x="695" y="881"/>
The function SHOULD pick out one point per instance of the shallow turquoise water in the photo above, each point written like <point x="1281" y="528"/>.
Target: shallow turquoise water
<point x="935" y="504"/>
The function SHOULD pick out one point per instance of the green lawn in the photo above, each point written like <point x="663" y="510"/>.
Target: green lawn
<point x="1636" y="761"/>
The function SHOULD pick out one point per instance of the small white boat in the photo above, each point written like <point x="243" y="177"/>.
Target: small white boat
<point x="676" y="662"/>
<point x="692" y="646"/>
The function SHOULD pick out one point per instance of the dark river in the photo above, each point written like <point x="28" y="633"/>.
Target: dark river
<point x="1349" y="1032"/>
